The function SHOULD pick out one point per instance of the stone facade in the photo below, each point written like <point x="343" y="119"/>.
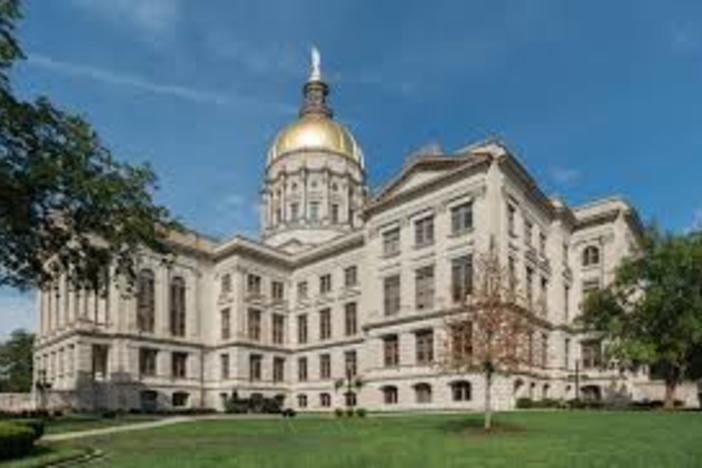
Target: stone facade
<point x="339" y="279"/>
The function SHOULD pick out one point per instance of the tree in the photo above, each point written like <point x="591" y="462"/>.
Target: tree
<point x="651" y="314"/>
<point x="351" y="383"/>
<point x="66" y="206"/>
<point x="16" y="362"/>
<point x="490" y="331"/>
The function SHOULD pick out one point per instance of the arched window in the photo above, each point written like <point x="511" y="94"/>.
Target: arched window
<point x="461" y="390"/>
<point x="350" y="398"/>
<point x="324" y="400"/>
<point x="422" y="392"/>
<point x="177" y="306"/>
<point x="591" y="255"/>
<point x="302" y="400"/>
<point x="389" y="395"/>
<point x="145" y="301"/>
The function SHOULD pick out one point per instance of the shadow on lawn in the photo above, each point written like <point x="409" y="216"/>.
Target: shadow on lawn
<point x="473" y="426"/>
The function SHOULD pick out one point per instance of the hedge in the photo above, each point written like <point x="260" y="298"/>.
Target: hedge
<point x="16" y="439"/>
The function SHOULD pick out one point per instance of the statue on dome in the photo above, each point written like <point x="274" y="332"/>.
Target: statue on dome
<point x="316" y="73"/>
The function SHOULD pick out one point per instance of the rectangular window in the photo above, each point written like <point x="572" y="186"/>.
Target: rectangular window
<point x="350" y="362"/>
<point x="302" y="329"/>
<point x="255" y="361"/>
<point x="334" y="213"/>
<point x="566" y="353"/>
<point x="391" y="350"/>
<point x="302" y="290"/>
<point x="294" y="212"/>
<point x="544" y="296"/>
<point x="350" y="323"/>
<point x="542" y="244"/>
<point x="277" y="290"/>
<point x="254" y="324"/>
<point x="528" y="231"/>
<point x="100" y="353"/>
<point x="511" y="220"/>
<point x="314" y="211"/>
<point x="350" y="276"/>
<point x="225" y="323"/>
<point x="591" y="354"/>
<point x="424" y="231"/>
<point x="424" y="287"/>
<point x="324" y="366"/>
<point x="544" y="350"/>
<point x="565" y="254"/>
<point x="224" y="366"/>
<point x="462" y="218"/>
<point x="278" y="328"/>
<point x="325" y="330"/>
<point x="461" y="342"/>
<point x="391" y="242"/>
<point x="302" y="369"/>
<point x="179" y="362"/>
<point x="425" y="347"/>
<point x="566" y="302"/>
<point x="325" y="283"/>
<point x="278" y="369"/>
<point x="391" y="294"/>
<point x="529" y="285"/>
<point x="253" y="284"/>
<point x="461" y="277"/>
<point x="225" y="284"/>
<point x="147" y="361"/>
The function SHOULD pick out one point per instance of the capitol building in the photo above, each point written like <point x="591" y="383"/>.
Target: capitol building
<point x="345" y="281"/>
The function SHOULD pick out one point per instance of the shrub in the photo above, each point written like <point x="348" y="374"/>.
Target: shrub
<point x="36" y="425"/>
<point x="338" y="412"/>
<point x="525" y="403"/>
<point x="349" y="412"/>
<point x="361" y="412"/>
<point x="288" y="413"/>
<point x="15" y="439"/>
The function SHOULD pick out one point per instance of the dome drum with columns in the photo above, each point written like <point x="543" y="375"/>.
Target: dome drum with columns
<point x="315" y="181"/>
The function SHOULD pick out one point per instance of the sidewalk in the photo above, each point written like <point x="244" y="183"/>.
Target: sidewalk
<point x="113" y="430"/>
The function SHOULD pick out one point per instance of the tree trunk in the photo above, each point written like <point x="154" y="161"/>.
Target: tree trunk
<point x="488" y="403"/>
<point x="669" y="402"/>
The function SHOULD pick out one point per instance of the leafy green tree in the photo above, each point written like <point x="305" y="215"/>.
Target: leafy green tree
<point x="651" y="314"/>
<point x="65" y="204"/>
<point x="16" y="362"/>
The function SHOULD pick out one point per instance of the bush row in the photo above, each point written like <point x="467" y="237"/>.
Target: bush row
<point x="527" y="403"/>
<point x="350" y="412"/>
<point x="17" y="437"/>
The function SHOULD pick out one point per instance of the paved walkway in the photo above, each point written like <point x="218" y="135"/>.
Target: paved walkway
<point x="115" y="429"/>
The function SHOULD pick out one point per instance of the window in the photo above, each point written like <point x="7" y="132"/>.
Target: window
<point x="277" y="290"/>
<point x="302" y="329"/>
<point x="350" y="323"/>
<point x="255" y="361"/>
<point x="461" y="390"/>
<point x="391" y="291"/>
<point x="179" y="399"/>
<point x="544" y="295"/>
<point x="314" y="211"/>
<point x="302" y="290"/>
<point x="566" y="353"/>
<point x="424" y="287"/>
<point x="529" y="285"/>
<point x="565" y="254"/>
<point x="325" y="283"/>
<point x="424" y="231"/>
<point x="350" y="276"/>
<point x="542" y="244"/>
<point x="350" y="399"/>
<point x="350" y="363"/>
<point x="254" y="324"/>
<point x="424" y="342"/>
<point x="225" y="323"/>
<point x="591" y="354"/>
<point x="253" y="284"/>
<point x="544" y="350"/>
<point x="278" y="328"/>
<point x="511" y="220"/>
<point x="461" y="341"/>
<point x="528" y="232"/>
<point x="422" y="392"/>
<point x="146" y="312"/>
<point x="461" y="277"/>
<point x="177" y="306"/>
<point x="590" y="286"/>
<point x="325" y="324"/>
<point x="566" y="302"/>
<point x="179" y="362"/>
<point x="324" y="366"/>
<point x="389" y="395"/>
<point x="294" y="212"/>
<point x="391" y="242"/>
<point x="225" y="284"/>
<point x="335" y="213"/>
<point x="147" y="361"/>
<point x="302" y="400"/>
<point x="530" y="346"/>
<point x="462" y="218"/>
<point x="302" y="369"/>
<point x="324" y="400"/>
<point x="278" y="369"/>
<point x="99" y="356"/>
<point x="391" y="350"/>
<point x="224" y="366"/>
<point x="591" y="256"/>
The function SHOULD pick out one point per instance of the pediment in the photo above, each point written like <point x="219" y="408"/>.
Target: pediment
<point x="419" y="173"/>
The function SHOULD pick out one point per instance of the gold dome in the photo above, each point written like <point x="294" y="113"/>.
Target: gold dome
<point x="316" y="132"/>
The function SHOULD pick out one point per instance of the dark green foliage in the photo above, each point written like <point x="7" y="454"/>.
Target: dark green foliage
<point x="16" y="362"/>
<point x="257" y="404"/>
<point x="361" y="412"/>
<point x="338" y="412"/>
<point x="64" y="200"/>
<point x="15" y="439"/>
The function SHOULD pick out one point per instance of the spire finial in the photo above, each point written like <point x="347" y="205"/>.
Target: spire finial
<point x="315" y="73"/>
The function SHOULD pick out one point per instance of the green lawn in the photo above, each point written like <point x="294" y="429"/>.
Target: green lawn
<point x="83" y="422"/>
<point x="525" y="439"/>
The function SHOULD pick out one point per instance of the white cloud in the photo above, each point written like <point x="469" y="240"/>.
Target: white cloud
<point x="156" y="18"/>
<point x="565" y="175"/>
<point x="696" y="220"/>
<point x="16" y="311"/>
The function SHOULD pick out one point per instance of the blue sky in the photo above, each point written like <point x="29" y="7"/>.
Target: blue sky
<point x="595" y="97"/>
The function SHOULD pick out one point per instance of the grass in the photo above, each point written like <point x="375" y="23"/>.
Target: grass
<point x="47" y="454"/>
<point x="84" y="422"/>
<point x="578" y="439"/>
